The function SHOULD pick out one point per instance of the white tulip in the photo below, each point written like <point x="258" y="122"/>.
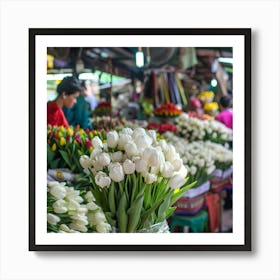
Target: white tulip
<point x="147" y="153"/>
<point x="167" y="169"/>
<point x="96" y="142"/>
<point x="150" y="178"/>
<point x="163" y="144"/>
<point x="52" y="219"/>
<point x="116" y="172"/>
<point x="58" y="191"/>
<point x="177" y="163"/>
<point x="126" y="130"/>
<point x="73" y="205"/>
<point x="78" y="227"/>
<point x="112" y="139"/>
<point x="156" y="158"/>
<point x="124" y="138"/>
<point x="102" y="180"/>
<point x="143" y="141"/>
<point x="141" y="166"/>
<point x="138" y="131"/>
<point x="117" y="156"/>
<point x="85" y="161"/>
<point x="104" y="159"/>
<point x="153" y="135"/>
<point x="183" y="171"/>
<point x="131" y="149"/>
<point x="92" y="206"/>
<point x="65" y="228"/>
<point x="210" y="169"/>
<point x="103" y="228"/>
<point x="128" y="166"/>
<point x="94" y="154"/>
<point x="89" y="196"/>
<point x="96" y="218"/>
<point x="176" y="181"/>
<point x="193" y="169"/>
<point x="170" y="152"/>
<point x="60" y="206"/>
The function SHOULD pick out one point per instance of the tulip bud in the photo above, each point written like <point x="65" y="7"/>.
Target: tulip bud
<point x="128" y="166"/>
<point x="54" y="147"/>
<point x="176" y="181"/>
<point x="112" y="139"/>
<point x="116" y="172"/>
<point x="85" y="161"/>
<point x="52" y="219"/>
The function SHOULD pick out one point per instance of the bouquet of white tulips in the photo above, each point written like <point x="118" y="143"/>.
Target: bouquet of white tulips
<point x="70" y="211"/>
<point x="135" y="178"/>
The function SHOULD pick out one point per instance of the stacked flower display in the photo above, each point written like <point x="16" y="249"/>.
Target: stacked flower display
<point x="103" y="109"/>
<point x="106" y="122"/>
<point x="71" y="211"/>
<point x="135" y="178"/>
<point x="162" y="127"/>
<point x="65" y="146"/>
<point x="201" y="158"/>
<point x="167" y="110"/>
<point x="194" y="129"/>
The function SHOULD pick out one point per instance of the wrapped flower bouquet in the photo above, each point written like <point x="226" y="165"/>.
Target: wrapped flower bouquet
<point x="135" y="179"/>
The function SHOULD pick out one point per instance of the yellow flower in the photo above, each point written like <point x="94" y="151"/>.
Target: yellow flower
<point x="212" y="106"/>
<point x="62" y="128"/>
<point x="90" y="149"/>
<point x="62" y="141"/>
<point x="81" y="131"/>
<point x="90" y="135"/>
<point x="54" y="147"/>
<point x="70" y="131"/>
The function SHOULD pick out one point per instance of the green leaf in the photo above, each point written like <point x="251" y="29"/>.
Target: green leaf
<point x="169" y="212"/>
<point x="66" y="158"/>
<point x="181" y="192"/>
<point x="50" y="154"/>
<point x="110" y="218"/>
<point x="134" y="214"/>
<point x="163" y="207"/>
<point x="111" y="198"/>
<point x="122" y="214"/>
<point x="55" y="163"/>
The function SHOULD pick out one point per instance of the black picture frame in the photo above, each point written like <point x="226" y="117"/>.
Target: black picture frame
<point x="33" y="165"/>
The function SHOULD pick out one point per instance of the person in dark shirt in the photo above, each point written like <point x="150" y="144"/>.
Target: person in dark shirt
<point x="79" y="113"/>
<point x="68" y="91"/>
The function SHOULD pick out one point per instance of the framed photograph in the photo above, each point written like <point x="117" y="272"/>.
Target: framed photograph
<point x="100" y="213"/>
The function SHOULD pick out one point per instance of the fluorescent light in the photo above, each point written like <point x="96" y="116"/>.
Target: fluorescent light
<point x="139" y="58"/>
<point x="89" y="76"/>
<point x="214" y="82"/>
<point x="226" y="59"/>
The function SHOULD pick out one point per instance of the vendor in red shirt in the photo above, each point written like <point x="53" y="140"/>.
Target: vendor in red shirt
<point x="68" y="90"/>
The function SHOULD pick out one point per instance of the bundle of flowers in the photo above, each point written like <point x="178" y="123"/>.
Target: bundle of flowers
<point x="106" y="122"/>
<point x="66" y="145"/>
<point x="194" y="114"/>
<point x="206" y="96"/>
<point x="211" y="108"/>
<point x="103" y="109"/>
<point x="167" y="110"/>
<point x="201" y="158"/>
<point x="135" y="178"/>
<point x="194" y="129"/>
<point x="162" y="127"/>
<point x="70" y="211"/>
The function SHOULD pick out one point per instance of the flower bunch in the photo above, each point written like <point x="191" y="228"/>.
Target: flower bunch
<point x="201" y="157"/>
<point x="194" y="129"/>
<point x="68" y="210"/>
<point x="194" y="114"/>
<point x="162" y="127"/>
<point x="206" y="96"/>
<point x="103" y="109"/>
<point x="211" y="107"/>
<point x="106" y="122"/>
<point x="196" y="156"/>
<point x="135" y="178"/>
<point x="167" y="110"/>
<point x="66" y="145"/>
